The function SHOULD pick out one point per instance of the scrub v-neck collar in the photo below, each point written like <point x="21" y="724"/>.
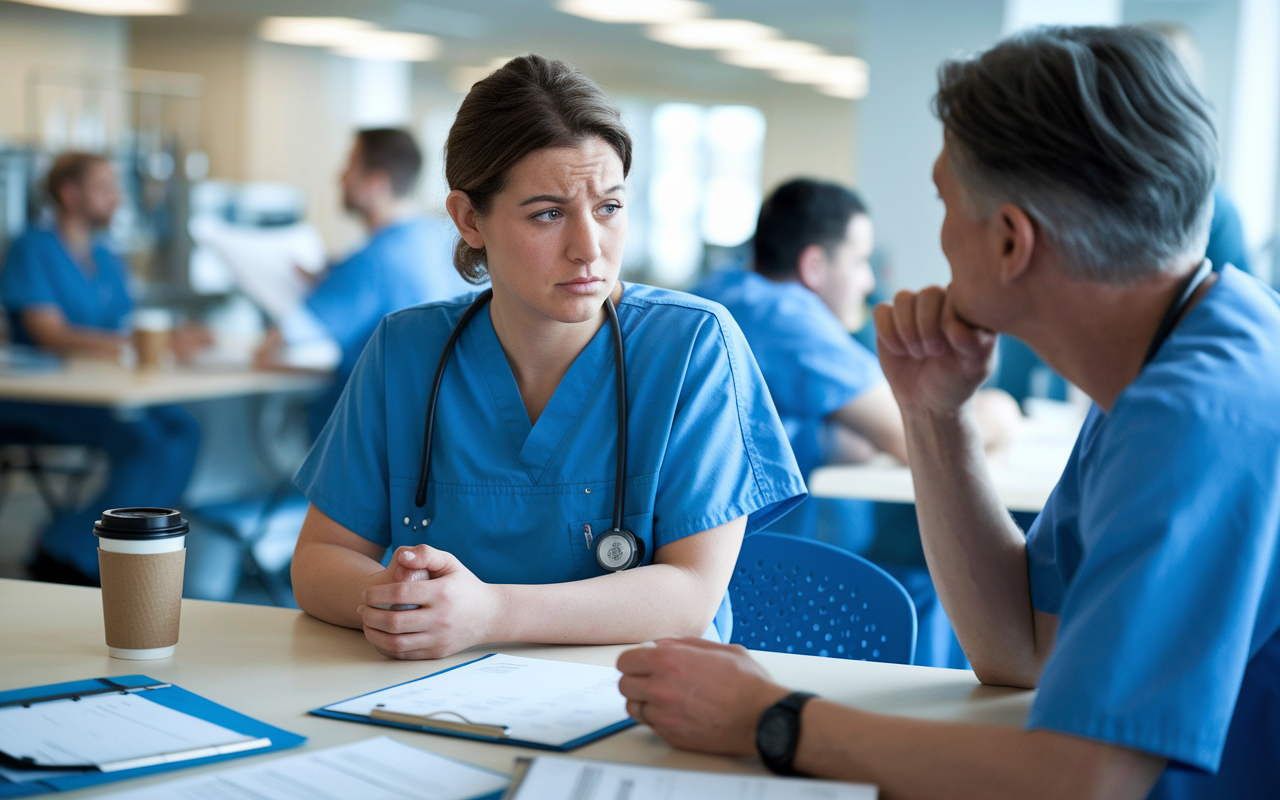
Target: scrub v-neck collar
<point x="538" y="443"/>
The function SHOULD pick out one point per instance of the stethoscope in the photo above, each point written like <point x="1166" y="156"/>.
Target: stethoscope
<point x="616" y="549"/>
<point x="1175" y="310"/>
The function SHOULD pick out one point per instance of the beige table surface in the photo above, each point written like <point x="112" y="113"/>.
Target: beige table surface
<point x="103" y="384"/>
<point x="1023" y="477"/>
<point x="275" y="664"/>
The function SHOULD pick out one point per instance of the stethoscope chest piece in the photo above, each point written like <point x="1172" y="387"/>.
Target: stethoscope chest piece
<point x="617" y="550"/>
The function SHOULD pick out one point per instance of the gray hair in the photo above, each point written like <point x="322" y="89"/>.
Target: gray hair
<point x="1098" y="134"/>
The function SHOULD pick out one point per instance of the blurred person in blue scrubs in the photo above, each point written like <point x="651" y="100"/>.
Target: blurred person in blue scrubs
<point x="502" y="543"/>
<point x="806" y="292"/>
<point x="66" y="292"/>
<point x="403" y="263"/>
<point x="1077" y="172"/>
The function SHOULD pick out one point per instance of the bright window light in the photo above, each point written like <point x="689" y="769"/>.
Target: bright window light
<point x="770" y="54"/>
<point x="116" y="8"/>
<point x="635" y="11"/>
<point x="390" y="46"/>
<point x="312" y="31"/>
<point x="711" y="34"/>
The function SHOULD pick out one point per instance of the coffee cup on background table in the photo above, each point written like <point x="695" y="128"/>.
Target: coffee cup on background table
<point x="141" y="553"/>
<point x="152" y="331"/>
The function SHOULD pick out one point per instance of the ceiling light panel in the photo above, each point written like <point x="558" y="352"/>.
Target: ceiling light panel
<point x="116" y="8"/>
<point x="712" y="34"/>
<point x="770" y="54"/>
<point x="313" y="31"/>
<point x="389" y="46"/>
<point x="634" y="11"/>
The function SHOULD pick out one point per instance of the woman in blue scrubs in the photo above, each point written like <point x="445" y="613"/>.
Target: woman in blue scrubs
<point x="500" y="545"/>
<point x="65" y="292"/>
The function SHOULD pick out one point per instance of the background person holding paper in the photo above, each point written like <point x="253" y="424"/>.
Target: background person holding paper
<point x="66" y="292"/>
<point x="401" y="265"/>
<point x="1144" y="603"/>
<point x="523" y="462"/>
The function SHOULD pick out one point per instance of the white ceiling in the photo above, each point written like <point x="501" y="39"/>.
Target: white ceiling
<point x="476" y="31"/>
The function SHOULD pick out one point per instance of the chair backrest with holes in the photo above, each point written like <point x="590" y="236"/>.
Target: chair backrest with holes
<point x="795" y="595"/>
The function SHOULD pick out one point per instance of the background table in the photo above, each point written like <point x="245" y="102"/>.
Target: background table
<point x="275" y="665"/>
<point x="1023" y="478"/>
<point x="104" y="384"/>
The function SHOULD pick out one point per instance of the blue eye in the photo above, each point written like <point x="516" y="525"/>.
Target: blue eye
<point x="550" y="214"/>
<point x="610" y="209"/>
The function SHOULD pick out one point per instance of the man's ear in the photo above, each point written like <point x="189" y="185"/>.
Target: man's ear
<point x="464" y="216"/>
<point x="1014" y="233"/>
<point x="811" y="267"/>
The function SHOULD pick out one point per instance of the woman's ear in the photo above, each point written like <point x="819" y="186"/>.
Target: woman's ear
<point x="464" y="216"/>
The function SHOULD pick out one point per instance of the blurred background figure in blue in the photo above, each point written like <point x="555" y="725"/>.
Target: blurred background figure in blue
<point x="66" y="293"/>
<point x="398" y="266"/>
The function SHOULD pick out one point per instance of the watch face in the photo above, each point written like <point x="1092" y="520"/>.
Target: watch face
<point x="775" y="733"/>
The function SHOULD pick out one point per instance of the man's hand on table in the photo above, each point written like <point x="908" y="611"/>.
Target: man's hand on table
<point x="698" y="695"/>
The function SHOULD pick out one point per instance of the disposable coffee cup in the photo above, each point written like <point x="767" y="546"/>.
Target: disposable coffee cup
<point x="152" y="329"/>
<point x="141" y="553"/>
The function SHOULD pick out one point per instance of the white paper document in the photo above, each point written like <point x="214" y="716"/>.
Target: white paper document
<point x="375" y="769"/>
<point x="549" y="702"/>
<point x="557" y="778"/>
<point x="113" y="732"/>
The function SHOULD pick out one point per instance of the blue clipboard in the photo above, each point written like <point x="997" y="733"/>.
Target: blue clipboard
<point x="556" y="748"/>
<point x="174" y="697"/>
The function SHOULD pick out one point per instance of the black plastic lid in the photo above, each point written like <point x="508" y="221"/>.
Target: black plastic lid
<point x="140" y="523"/>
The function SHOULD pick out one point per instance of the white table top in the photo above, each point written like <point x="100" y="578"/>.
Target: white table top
<point x="1023" y="478"/>
<point x="275" y="664"/>
<point x="104" y="384"/>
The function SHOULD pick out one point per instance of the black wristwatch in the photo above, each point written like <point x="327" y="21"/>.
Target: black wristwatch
<point x="778" y="732"/>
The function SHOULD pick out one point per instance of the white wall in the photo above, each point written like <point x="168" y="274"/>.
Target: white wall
<point x="31" y="36"/>
<point x="904" y="42"/>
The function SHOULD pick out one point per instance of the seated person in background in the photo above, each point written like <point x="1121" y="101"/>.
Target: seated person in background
<point x="395" y="269"/>
<point x="1077" y="171"/>
<point x="500" y="528"/>
<point x="807" y="292"/>
<point x="65" y="292"/>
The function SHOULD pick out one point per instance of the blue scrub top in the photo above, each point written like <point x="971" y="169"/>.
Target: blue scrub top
<point x="1158" y="548"/>
<point x="40" y="272"/>
<point x="811" y="364"/>
<point x="1226" y="235"/>
<point x="513" y="501"/>
<point x="402" y="265"/>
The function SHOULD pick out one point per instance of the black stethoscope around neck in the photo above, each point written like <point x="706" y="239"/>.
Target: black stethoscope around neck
<point x="617" y="548"/>
<point x="1174" y="312"/>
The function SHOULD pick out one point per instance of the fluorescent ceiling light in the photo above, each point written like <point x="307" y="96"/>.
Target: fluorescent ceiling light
<point x="312" y="31"/>
<point x="711" y="34"/>
<point x="770" y="54"/>
<point x="389" y="46"/>
<point x="827" y="70"/>
<point x="635" y="11"/>
<point x="845" y="92"/>
<point x="116" y="8"/>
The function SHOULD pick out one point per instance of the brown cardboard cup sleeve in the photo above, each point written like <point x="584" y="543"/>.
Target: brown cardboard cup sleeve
<point x="141" y="598"/>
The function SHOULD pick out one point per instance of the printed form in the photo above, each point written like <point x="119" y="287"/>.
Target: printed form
<point x="537" y="700"/>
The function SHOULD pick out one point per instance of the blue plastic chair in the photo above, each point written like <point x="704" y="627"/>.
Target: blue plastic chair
<point x="795" y="595"/>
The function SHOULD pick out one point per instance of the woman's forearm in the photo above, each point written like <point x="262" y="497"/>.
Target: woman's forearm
<point x="329" y="581"/>
<point x="638" y="605"/>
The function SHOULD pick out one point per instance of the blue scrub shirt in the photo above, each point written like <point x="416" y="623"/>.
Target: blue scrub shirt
<point x="812" y="367"/>
<point x="518" y="503"/>
<point x="1158" y="548"/>
<point x="40" y="272"/>
<point x="402" y="265"/>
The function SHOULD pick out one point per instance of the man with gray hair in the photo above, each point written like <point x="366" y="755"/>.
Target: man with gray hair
<point x="1077" y="170"/>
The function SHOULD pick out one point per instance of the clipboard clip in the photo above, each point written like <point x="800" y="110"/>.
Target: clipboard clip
<point x="432" y="722"/>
